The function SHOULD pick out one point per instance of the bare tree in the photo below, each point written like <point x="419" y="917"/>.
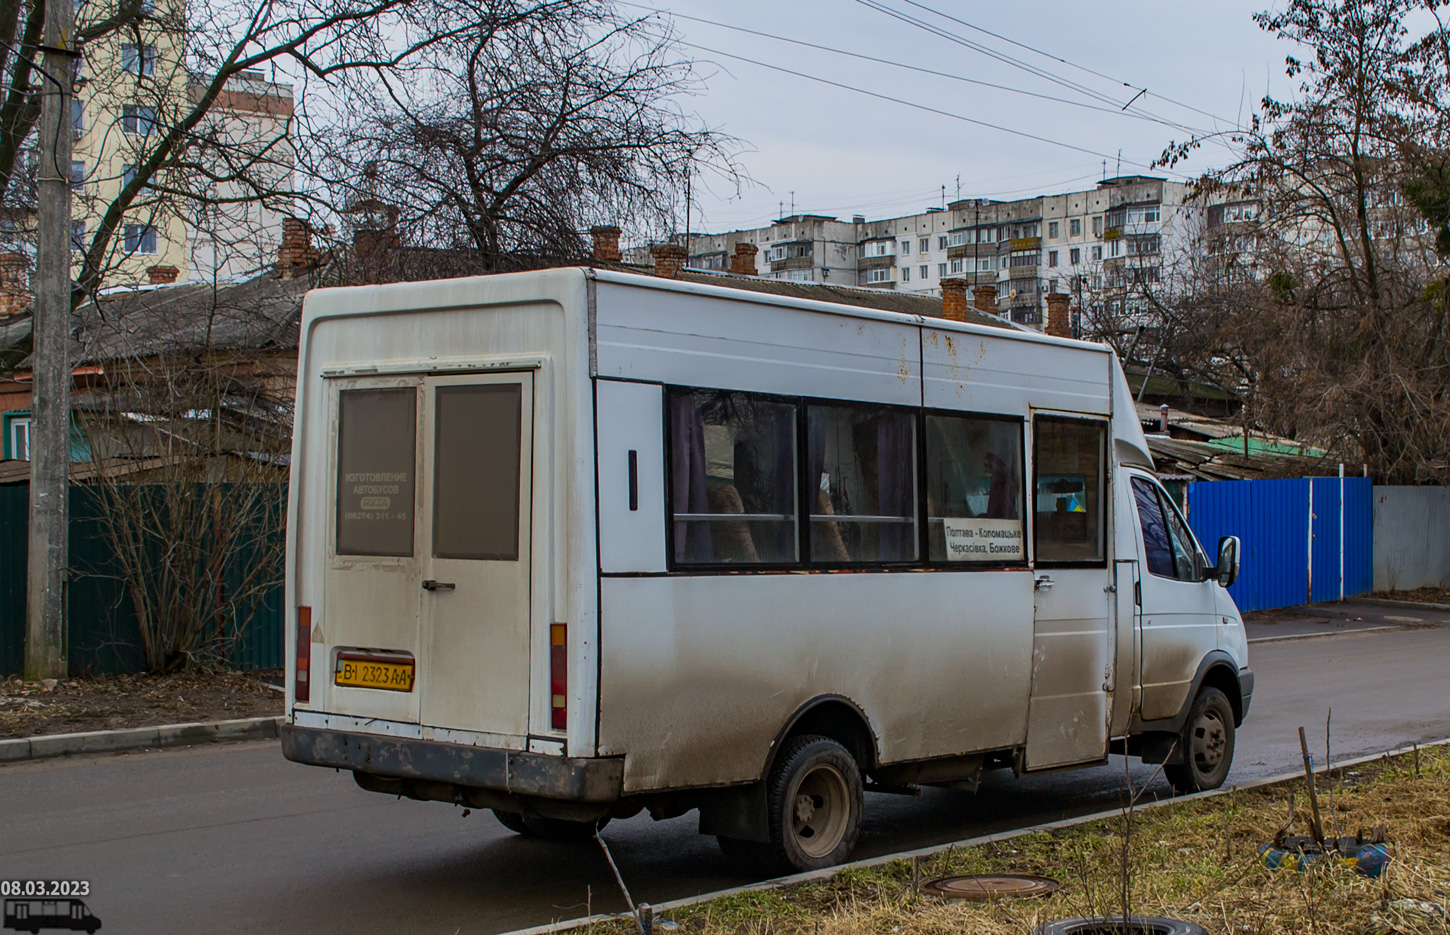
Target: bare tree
<point x="1343" y="328"/>
<point x="507" y="142"/>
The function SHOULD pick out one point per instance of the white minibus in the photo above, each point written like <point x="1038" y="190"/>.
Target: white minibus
<point x="577" y="543"/>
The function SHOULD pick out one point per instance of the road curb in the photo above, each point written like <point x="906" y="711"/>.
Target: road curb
<point x="1320" y="636"/>
<point x="1410" y="605"/>
<point x="779" y="882"/>
<point x="137" y="738"/>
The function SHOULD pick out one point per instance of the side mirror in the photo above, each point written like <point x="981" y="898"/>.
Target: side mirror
<point x="1227" y="571"/>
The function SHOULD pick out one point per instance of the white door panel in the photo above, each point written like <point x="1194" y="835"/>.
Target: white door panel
<point x="630" y="427"/>
<point x="1179" y="625"/>
<point x="475" y="544"/>
<point x="1072" y="652"/>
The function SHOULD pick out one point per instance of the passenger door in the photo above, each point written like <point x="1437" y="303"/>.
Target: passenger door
<point x="1073" y="639"/>
<point x="1178" y="623"/>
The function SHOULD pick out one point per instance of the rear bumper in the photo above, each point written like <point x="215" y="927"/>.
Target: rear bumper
<point x="572" y="779"/>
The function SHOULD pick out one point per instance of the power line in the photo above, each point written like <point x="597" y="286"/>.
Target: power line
<point x="1016" y="63"/>
<point x="1116" y="110"/>
<point x="1070" y="64"/>
<point x="922" y="107"/>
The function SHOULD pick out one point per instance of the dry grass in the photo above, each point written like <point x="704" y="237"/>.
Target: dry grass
<point x="1195" y="860"/>
<point x="1418" y="595"/>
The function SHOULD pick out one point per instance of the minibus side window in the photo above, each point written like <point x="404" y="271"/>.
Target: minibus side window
<point x="861" y="484"/>
<point x="974" y="489"/>
<point x="1069" y="463"/>
<point x="733" y="479"/>
<point x="1185" y="549"/>
<point x="1170" y="547"/>
<point x="1157" y="551"/>
<point x="376" y="451"/>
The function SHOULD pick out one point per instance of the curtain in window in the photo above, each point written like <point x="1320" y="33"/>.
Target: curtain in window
<point x="687" y="432"/>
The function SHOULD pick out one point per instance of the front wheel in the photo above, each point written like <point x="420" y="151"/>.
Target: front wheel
<point x="1207" y="744"/>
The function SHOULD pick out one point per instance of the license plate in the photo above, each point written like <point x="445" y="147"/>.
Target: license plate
<point x="354" y="670"/>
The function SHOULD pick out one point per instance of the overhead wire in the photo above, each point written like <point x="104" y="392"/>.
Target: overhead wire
<point x="1069" y="63"/>
<point x="1116" y="110"/>
<point x="1018" y="63"/>
<point x="922" y="107"/>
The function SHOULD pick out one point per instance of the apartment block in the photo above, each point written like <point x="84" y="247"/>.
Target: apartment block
<point x="1098" y="246"/>
<point x="198" y="223"/>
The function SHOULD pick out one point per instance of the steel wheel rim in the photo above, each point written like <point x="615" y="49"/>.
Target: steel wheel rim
<point x="820" y="808"/>
<point x="1210" y="741"/>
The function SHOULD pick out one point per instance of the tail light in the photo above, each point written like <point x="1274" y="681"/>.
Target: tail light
<point x="302" y="687"/>
<point x="558" y="676"/>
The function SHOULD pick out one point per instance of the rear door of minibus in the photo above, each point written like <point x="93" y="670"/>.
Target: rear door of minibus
<point x="426" y="595"/>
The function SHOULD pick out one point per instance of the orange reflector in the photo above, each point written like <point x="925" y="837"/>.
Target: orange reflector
<point x="302" y="684"/>
<point x="558" y="676"/>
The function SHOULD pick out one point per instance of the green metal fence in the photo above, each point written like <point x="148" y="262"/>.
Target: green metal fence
<point x="102" y="635"/>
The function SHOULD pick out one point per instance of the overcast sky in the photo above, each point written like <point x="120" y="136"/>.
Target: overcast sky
<point x="844" y="153"/>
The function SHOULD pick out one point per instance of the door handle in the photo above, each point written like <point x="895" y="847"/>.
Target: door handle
<point x="1043" y="583"/>
<point x="431" y="585"/>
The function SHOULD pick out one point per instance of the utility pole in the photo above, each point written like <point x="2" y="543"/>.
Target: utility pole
<point x="50" y="407"/>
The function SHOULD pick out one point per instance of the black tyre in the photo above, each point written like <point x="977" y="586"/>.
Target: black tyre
<point x="1113" y="925"/>
<point x="813" y="804"/>
<point x="512" y="821"/>
<point x="561" y="831"/>
<point x="1207" y="744"/>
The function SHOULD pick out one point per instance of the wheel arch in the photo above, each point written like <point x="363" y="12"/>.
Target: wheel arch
<point x="834" y="716"/>
<point x="1217" y="669"/>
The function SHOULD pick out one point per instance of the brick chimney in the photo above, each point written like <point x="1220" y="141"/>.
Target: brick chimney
<point x="954" y="299"/>
<point x="743" y="262"/>
<point x="669" y="259"/>
<point x="14" y="283"/>
<point x="161" y="275"/>
<point x="606" y="244"/>
<point x="297" y="254"/>
<point x="1059" y="324"/>
<point x="984" y="299"/>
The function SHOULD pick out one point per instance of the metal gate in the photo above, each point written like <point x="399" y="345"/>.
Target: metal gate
<point x="1287" y="560"/>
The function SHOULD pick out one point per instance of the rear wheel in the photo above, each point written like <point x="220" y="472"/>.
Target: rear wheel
<point x="560" y="830"/>
<point x="814" y="804"/>
<point x="1207" y="744"/>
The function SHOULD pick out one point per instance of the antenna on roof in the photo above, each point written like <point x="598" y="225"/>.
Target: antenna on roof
<point x="944" y="197"/>
<point x="959" y="186"/>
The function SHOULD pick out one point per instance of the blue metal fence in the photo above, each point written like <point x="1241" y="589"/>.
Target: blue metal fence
<point x="1281" y="564"/>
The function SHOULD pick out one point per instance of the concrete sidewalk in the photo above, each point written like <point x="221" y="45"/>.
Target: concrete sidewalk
<point x="138" y="738"/>
<point x="1328" y="619"/>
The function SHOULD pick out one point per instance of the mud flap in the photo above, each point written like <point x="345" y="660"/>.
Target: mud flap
<point x="735" y="812"/>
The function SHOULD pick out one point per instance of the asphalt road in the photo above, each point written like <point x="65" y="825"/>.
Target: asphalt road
<point x="235" y="839"/>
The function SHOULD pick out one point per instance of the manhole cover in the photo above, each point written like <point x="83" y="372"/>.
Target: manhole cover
<point x="991" y="886"/>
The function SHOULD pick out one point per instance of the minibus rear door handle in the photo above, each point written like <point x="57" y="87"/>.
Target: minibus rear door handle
<point x="431" y="585"/>
<point x="1042" y="584"/>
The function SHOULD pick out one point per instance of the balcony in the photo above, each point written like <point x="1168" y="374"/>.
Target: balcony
<point x="970" y="250"/>
<point x="876" y="262"/>
<point x="1025" y="243"/>
<point x="792" y="262"/>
